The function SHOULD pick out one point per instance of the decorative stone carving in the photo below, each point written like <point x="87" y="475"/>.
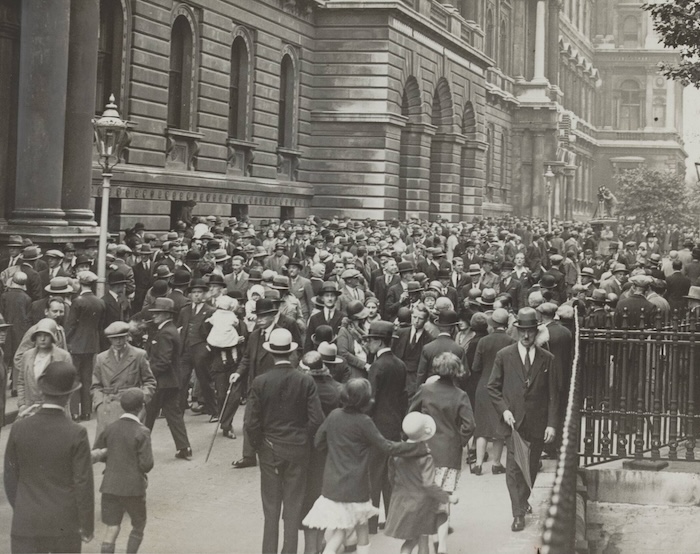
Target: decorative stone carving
<point x="288" y="164"/>
<point x="181" y="149"/>
<point x="240" y="156"/>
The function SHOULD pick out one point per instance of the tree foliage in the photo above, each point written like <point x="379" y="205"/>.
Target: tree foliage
<point x="678" y="24"/>
<point x="652" y="195"/>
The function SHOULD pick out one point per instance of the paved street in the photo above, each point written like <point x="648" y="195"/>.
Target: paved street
<point x="198" y="507"/>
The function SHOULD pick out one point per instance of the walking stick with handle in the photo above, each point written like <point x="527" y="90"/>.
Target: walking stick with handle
<point x="221" y="414"/>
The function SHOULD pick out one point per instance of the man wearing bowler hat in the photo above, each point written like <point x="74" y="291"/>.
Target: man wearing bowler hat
<point x="387" y="375"/>
<point x="116" y="305"/>
<point x="14" y="251"/>
<point x="48" y="472"/>
<point x="163" y="350"/>
<point x="30" y="257"/>
<point x="397" y="295"/>
<point x="282" y="416"/>
<point x="524" y="390"/>
<point x="446" y="322"/>
<point x="195" y="354"/>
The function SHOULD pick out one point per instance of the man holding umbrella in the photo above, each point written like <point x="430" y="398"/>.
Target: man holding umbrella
<point x="524" y="390"/>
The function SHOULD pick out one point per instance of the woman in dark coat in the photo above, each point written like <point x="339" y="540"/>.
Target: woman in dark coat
<point x="485" y="414"/>
<point x="329" y="393"/>
<point x="479" y="325"/>
<point x="449" y="406"/>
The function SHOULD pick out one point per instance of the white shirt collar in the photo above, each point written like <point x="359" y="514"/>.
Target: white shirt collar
<point x="130" y="416"/>
<point x="382" y="350"/>
<point x="52" y="406"/>
<point x="522" y="351"/>
<point x="163" y="324"/>
<point x="114" y="294"/>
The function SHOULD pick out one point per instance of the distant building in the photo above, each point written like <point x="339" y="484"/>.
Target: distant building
<point x="285" y="108"/>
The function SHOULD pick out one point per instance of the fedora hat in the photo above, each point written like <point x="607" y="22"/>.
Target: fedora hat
<point x="323" y="333"/>
<point x="163" y="305"/>
<point x="220" y="256"/>
<point x="90" y="243"/>
<point x="329" y="286"/>
<point x="507" y="265"/>
<point x="180" y="278"/>
<point x="619" y="267"/>
<point x="280" y="282"/>
<point x="15" y="241"/>
<point x="58" y="379"/>
<point x="474" y="269"/>
<point x="447" y="318"/>
<point x="59" y="285"/>
<point x="265" y="306"/>
<point x="216" y="279"/>
<point x="588" y="272"/>
<point x="418" y="427"/>
<point x="255" y="276"/>
<point x="318" y="302"/>
<point x="527" y="319"/>
<point x="487" y="298"/>
<point x="380" y="330"/>
<point x="117" y="329"/>
<point x="82" y="259"/>
<point x="198" y="284"/>
<point x="260" y="252"/>
<point x="280" y="342"/>
<point x="413" y="287"/>
<point x="163" y="272"/>
<point x="499" y="316"/>
<point x="31" y="253"/>
<point x="329" y="353"/>
<point x="548" y="281"/>
<point x="599" y="296"/>
<point x="693" y="293"/>
<point x="295" y="262"/>
<point x="405" y="267"/>
<point x="117" y="278"/>
<point x="443" y="273"/>
<point x="356" y="310"/>
<point x="144" y="249"/>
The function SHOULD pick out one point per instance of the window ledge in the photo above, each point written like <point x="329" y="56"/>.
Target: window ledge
<point x="181" y="149"/>
<point x="288" y="163"/>
<point x="241" y="154"/>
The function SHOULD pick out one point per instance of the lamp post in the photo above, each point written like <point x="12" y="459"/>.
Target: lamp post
<point x="110" y="138"/>
<point x="548" y="176"/>
<point x="697" y="170"/>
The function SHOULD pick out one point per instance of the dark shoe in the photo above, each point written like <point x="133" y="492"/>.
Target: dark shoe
<point x="528" y="510"/>
<point x="497" y="468"/>
<point x="229" y="434"/>
<point x="198" y="410"/>
<point x="518" y="523"/>
<point x="471" y="457"/>
<point x="476" y="470"/>
<point x="244" y="462"/>
<point x="184" y="453"/>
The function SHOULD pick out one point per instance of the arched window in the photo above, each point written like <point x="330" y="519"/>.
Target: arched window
<point x="109" y="53"/>
<point x="238" y="90"/>
<point x="630" y="106"/>
<point x="504" y="54"/>
<point x="630" y="32"/>
<point x="490" y="32"/>
<point x="285" y="126"/>
<point x="180" y="82"/>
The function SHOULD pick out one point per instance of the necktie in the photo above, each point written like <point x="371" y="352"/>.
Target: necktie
<point x="528" y="366"/>
<point x="388" y="280"/>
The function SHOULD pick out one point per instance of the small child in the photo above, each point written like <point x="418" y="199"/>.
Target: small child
<point x="125" y="447"/>
<point x="255" y="293"/>
<point x="417" y="503"/>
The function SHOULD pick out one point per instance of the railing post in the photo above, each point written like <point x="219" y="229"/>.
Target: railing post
<point x="690" y="428"/>
<point x="673" y="405"/>
<point x="623" y="350"/>
<point x="641" y="375"/>
<point x="656" y="417"/>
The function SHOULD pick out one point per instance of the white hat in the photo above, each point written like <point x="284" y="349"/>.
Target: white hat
<point x="418" y="427"/>
<point x="280" y="342"/>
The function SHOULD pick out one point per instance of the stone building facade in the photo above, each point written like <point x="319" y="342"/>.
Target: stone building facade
<point x="286" y="108"/>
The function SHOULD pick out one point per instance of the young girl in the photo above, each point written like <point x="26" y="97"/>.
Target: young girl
<point x="348" y="433"/>
<point x="415" y="511"/>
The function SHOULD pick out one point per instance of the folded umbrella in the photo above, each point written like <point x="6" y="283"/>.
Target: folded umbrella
<point x="521" y="452"/>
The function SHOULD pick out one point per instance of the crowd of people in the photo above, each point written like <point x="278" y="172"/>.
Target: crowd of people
<point x="373" y="358"/>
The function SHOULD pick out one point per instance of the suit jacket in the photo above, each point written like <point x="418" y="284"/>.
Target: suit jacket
<point x="443" y="343"/>
<point x="381" y="291"/>
<point x="201" y="329"/>
<point x="143" y="280"/>
<point x="83" y="325"/>
<point x="240" y="284"/>
<point x="470" y="259"/>
<point x="112" y="376"/>
<point x="49" y="499"/>
<point x="319" y="318"/>
<point x="489" y="281"/>
<point x="180" y="300"/>
<point x="28" y="391"/>
<point x="560" y="344"/>
<point x="347" y="297"/>
<point x="393" y="302"/>
<point x="533" y="400"/>
<point x="15" y="306"/>
<point x="46" y="276"/>
<point x="34" y="288"/>
<point x="677" y="286"/>
<point x="276" y="263"/>
<point x="129" y="457"/>
<point x="514" y="288"/>
<point x="164" y="349"/>
<point x="387" y="375"/>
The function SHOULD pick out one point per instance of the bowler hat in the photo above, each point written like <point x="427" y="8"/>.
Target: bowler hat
<point x="82" y="259"/>
<point x="163" y="272"/>
<point x="198" y="284"/>
<point x="323" y="333"/>
<point x="90" y="243"/>
<point x="548" y="281"/>
<point x="280" y="342"/>
<point x="527" y="319"/>
<point x="58" y="379"/>
<point x="180" y="278"/>
<point x="163" y="305"/>
<point x="356" y="310"/>
<point x="117" y="329"/>
<point x="380" y="330"/>
<point x="405" y="267"/>
<point x="265" y="306"/>
<point x="329" y="286"/>
<point x="117" y="278"/>
<point x="599" y="296"/>
<point x="295" y="262"/>
<point x="216" y="279"/>
<point x="413" y="287"/>
<point x="255" y="276"/>
<point x="447" y="318"/>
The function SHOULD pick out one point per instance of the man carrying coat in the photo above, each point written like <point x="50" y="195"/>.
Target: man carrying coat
<point x="524" y="390"/>
<point x="48" y="472"/>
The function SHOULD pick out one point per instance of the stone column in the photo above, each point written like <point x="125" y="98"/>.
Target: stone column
<point x="414" y="169"/>
<point x="647" y="109"/>
<point x="540" y="34"/>
<point x="670" y="105"/>
<point x="569" y="196"/>
<point x="539" y="198"/>
<point x="520" y="14"/>
<point x="80" y="108"/>
<point x="41" y="112"/>
<point x="517" y="182"/>
<point x="445" y="175"/>
<point x="553" y="42"/>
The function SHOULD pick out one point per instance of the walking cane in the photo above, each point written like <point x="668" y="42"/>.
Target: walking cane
<point x="221" y="414"/>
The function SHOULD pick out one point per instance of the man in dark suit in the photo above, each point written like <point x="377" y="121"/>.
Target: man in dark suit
<point x="446" y="323"/>
<point x="409" y="345"/>
<point x="524" y="390"/>
<point x="59" y="287"/>
<point x="256" y="361"/>
<point x="83" y="330"/>
<point x="330" y="314"/>
<point x="54" y="258"/>
<point x="164" y="349"/>
<point x="178" y="284"/>
<point x="143" y="275"/>
<point x="509" y="284"/>
<point x="387" y="375"/>
<point x="384" y="282"/>
<point x="677" y="287"/>
<point x="14" y="252"/>
<point x="30" y="256"/>
<point x="195" y="354"/>
<point x="397" y="295"/>
<point x="284" y="412"/>
<point x="116" y="306"/>
<point x="48" y="472"/>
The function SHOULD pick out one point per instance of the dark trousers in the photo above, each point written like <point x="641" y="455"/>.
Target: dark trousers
<point x="515" y="481"/>
<point x="81" y="401"/>
<point x="379" y="482"/>
<point x="282" y="483"/>
<point x="197" y="357"/>
<point x="222" y="365"/>
<point x="169" y="401"/>
<point x="32" y="545"/>
<point x="234" y="401"/>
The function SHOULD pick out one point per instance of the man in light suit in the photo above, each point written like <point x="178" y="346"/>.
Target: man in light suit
<point x="351" y="290"/>
<point x="48" y="472"/>
<point x="238" y="279"/>
<point x="524" y="390"/>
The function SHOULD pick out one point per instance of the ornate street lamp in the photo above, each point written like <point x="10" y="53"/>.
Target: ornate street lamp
<point x="110" y="138"/>
<point x="548" y="178"/>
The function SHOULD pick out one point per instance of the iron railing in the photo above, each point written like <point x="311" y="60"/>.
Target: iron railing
<point x="559" y="535"/>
